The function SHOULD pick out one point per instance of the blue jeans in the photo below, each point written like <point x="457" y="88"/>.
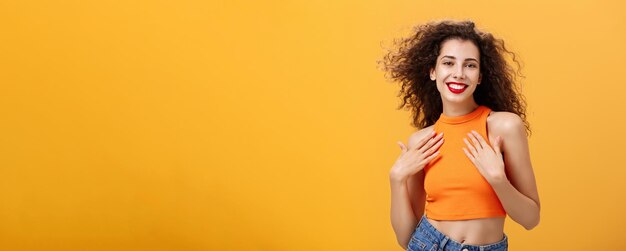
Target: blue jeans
<point x="426" y="237"/>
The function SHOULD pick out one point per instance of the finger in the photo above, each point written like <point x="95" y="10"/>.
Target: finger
<point x="423" y="140"/>
<point x="471" y="147"/>
<point x="430" y="158"/>
<point x="475" y="141"/>
<point x="402" y="146"/>
<point x="435" y="147"/>
<point x="469" y="155"/>
<point x="431" y="142"/>
<point x="480" y="138"/>
<point x="472" y="159"/>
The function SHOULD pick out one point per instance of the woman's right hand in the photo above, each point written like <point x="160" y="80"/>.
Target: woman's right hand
<point x="413" y="160"/>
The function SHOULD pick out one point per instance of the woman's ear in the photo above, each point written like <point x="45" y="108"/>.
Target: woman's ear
<point x="432" y="74"/>
<point x="480" y="78"/>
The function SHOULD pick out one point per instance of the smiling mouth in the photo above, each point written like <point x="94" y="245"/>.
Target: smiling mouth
<point x="456" y="87"/>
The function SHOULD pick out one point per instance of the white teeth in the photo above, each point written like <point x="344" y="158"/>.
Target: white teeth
<point x="457" y="87"/>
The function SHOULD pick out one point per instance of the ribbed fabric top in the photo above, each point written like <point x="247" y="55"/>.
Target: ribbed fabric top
<point x="463" y="118"/>
<point x="455" y="189"/>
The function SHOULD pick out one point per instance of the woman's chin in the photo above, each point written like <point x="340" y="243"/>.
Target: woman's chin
<point x="456" y="99"/>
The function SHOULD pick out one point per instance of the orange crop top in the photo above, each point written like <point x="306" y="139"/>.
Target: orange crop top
<point x="455" y="190"/>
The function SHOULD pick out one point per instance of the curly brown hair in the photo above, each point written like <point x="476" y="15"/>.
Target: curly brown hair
<point x="414" y="56"/>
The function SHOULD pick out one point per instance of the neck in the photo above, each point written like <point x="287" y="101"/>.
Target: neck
<point x="459" y="109"/>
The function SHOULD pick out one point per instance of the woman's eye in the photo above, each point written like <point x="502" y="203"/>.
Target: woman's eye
<point x="447" y="63"/>
<point x="472" y="65"/>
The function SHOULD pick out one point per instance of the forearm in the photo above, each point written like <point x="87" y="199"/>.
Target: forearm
<point x="519" y="207"/>
<point x="403" y="219"/>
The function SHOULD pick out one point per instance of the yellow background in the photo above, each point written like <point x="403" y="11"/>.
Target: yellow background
<point x="266" y="125"/>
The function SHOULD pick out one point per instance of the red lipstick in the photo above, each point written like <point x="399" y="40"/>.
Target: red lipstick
<point x="458" y="87"/>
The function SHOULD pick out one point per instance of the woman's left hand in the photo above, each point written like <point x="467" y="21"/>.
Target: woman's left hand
<point x="487" y="160"/>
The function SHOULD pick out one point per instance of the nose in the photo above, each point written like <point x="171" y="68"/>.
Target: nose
<point x="458" y="72"/>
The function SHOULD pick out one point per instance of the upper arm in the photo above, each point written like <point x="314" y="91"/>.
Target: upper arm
<point x="415" y="183"/>
<point x="515" y="151"/>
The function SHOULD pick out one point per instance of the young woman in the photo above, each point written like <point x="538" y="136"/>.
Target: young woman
<point x="468" y="165"/>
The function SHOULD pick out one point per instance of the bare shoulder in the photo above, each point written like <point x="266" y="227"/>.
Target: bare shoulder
<point x="420" y="134"/>
<point x="504" y="123"/>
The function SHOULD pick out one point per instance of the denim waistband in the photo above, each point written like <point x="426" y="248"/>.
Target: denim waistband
<point x="445" y="243"/>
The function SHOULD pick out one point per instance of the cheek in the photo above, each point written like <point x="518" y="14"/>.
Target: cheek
<point x="475" y="75"/>
<point x="441" y="86"/>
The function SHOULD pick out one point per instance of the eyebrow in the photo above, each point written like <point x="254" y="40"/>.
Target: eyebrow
<point x="467" y="59"/>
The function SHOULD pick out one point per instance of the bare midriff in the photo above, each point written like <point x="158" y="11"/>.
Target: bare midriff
<point x="478" y="232"/>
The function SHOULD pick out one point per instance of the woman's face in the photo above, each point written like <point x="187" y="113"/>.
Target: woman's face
<point x="457" y="71"/>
